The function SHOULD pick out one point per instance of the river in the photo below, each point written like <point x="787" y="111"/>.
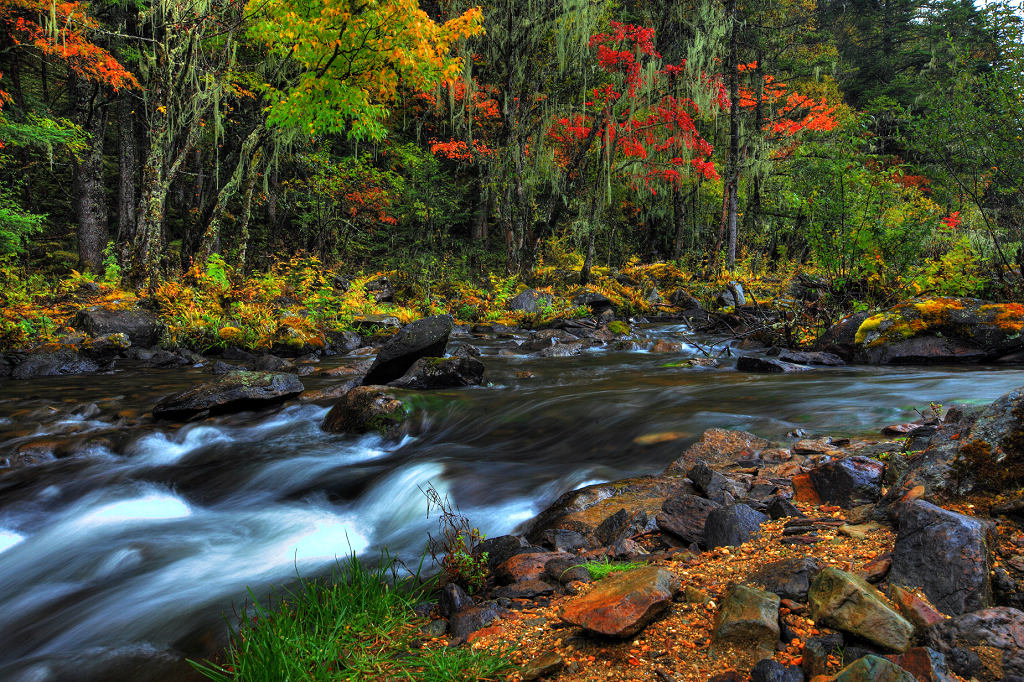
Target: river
<point x="133" y="546"/>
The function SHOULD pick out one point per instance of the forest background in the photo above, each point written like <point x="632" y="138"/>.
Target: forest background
<point x="284" y="167"/>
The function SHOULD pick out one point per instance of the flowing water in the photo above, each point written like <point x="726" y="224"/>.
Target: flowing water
<point x="137" y="542"/>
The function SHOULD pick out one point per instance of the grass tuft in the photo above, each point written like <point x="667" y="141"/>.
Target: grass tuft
<point x="358" y="624"/>
<point x="605" y="567"/>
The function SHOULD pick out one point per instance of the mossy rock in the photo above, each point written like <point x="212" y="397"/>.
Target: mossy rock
<point x="932" y="330"/>
<point x="370" y="409"/>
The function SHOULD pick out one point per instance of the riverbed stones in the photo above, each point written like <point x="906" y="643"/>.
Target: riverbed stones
<point x="749" y="617"/>
<point x="986" y="644"/>
<point x="924" y="663"/>
<point x="143" y="327"/>
<point x="232" y="392"/>
<point x="369" y="409"/>
<point x="843" y="601"/>
<point x="789" y="578"/>
<point x="424" y="338"/>
<point x="848" y="482"/>
<point x="624" y="603"/>
<point x="915" y="609"/>
<point x="770" y="670"/>
<point x="720" y="448"/>
<point x="430" y="373"/>
<point x="685" y="516"/>
<point x="731" y="525"/>
<point x="945" y="554"/>
<point x="873" y="669"/>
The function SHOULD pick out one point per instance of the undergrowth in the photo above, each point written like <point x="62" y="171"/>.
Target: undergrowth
<point x="605" y="567"/>
<point x="359" y="624"/>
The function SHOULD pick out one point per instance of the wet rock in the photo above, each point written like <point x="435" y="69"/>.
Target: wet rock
<point x="330" y="393"/>
<point x="428" y="373"/>
<point x="59" y="363"/>
<point x="732" y="525"/>
<point x="525" y="589"/>
<point x="937" y="330"/>
<point x="925" y="664"/>
<point x="987" y="644"/>
<point x="369" y="409"/>
<point x="624" y="603"/>
<point x="502" y="547"/>
<point x="545" y="665"/>
<point x="809" y="358"/>
<point x="873" y="669"/>
<point x="453" y="599"/>
<point x="685" y="516"/>
<point x="848" y="482"/>
<point x="158" y="357"/>
<point x="841" y="338"/>
<point x="788" y="578"/>
<point x="107" y="347"/>
<point x="720" y="448"/>
<point x="770" y="670"/>
<point x="465" y="350"/>
<point x="142" y="326"/>
<point x="563" y="350"/>
<point x="848" y="603"/>
<point x="582" y="510"/>
<point x="466" y="622"/>
<point x="621" y="525"/>
<point x="749" y="617"/>
<point x="598" y="303"/>
<point x="751" y="363"/>
<point x="546" y="338"/>
<point x="563" y="540"/>
<point x="520" y="567"/>
<point x="424" y="338"/>
<point x="931" y="538"/>
<point x="232" y="392"/>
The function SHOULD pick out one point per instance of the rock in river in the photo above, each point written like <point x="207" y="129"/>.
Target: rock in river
<point x="232" y="392"/>
<point x="368" y="409"/>
<point x="423" y="338"/>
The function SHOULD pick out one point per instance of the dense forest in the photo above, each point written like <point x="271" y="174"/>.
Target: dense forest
<point x="454" y="148"/>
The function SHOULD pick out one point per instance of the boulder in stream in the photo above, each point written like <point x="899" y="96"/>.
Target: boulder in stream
<point x="424" y="338"/>
<point x="428" y="373"/>
<point x="232" y="392"/>
<point x="369" y="409"/>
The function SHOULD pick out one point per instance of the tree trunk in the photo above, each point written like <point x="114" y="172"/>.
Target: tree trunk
<point x="87" y="185"/>
<point x="734" y="134"/>
<point x="246" y="157"/>
<point x="128" y="167"/>
<point x="679" y="218"/>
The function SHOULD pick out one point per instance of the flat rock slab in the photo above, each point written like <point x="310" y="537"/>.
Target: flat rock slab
<point x="720" y="448"/>
<point x="624" y="603"/>
<point x="845" y="602"/>
<point x="522" y="567"/>
<point x="233" y="392"/>
<point x="749" y="617"/>
<point x="945" y="554"/>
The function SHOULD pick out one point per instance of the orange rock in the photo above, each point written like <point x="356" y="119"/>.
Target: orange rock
<point x="803" y="490"/>
<point x="484" y="632"/>
<point x="623" y="604"/>
<point x="914" y="608"/>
